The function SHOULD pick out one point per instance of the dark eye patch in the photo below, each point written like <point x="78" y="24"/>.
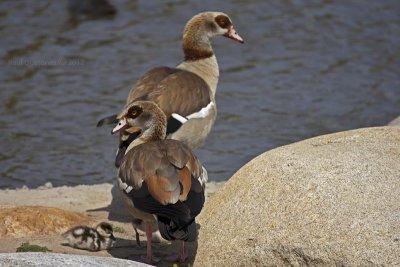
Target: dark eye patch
<point x="134" y="112"/>
<point x="223" y="21"/>
<point x="107" y="227"/>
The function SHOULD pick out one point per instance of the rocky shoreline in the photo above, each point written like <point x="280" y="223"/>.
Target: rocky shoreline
<point x="26" y="216"/>
<point x="332" y="199"/>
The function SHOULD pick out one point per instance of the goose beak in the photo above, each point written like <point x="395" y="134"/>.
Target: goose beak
<point x="107" y="120"/>
<point x="232" y="34"/>
<point x="122" y="124"/>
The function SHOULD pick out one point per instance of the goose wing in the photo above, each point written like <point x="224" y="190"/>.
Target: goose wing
<point x="181" y="94"/>
<point x="168" y="169"/>
<point x="148" y="82"/>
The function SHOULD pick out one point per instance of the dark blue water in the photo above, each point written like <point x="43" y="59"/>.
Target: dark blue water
<point x="307" y="68"/>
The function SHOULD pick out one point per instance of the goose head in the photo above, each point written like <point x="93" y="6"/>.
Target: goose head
<point x="105" y="229"/>
<point x="143" y="117"/>
<point x="201" y="28"/>
<point x="213" y="24"/>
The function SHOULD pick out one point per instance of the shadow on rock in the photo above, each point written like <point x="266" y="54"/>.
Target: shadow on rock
<point x="128" y="249"/>
<point x="116" y="210"/>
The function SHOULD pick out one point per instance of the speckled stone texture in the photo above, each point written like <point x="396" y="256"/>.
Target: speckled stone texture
<point x="329" y="200"/>
<point x="55" y="259"/>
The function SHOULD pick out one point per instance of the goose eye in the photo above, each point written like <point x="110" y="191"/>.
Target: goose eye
<point x="134" y="112"/>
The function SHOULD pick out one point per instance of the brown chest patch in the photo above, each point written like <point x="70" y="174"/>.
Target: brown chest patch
<point x="192" y="53"/>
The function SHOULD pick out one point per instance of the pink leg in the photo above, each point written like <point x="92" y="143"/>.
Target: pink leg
<point x="181" y="256"/>
<point x="149" y="257"/>
<point x="183" y="253"/>
<point x="148" y="249"/>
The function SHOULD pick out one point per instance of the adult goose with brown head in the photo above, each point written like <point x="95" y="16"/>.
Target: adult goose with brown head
<point x="186" y="93"/>
<point x="160" y="177"/>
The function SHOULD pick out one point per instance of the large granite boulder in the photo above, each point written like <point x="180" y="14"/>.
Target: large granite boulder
<point x="329" y="200"/>
<point x="21" y="221"/>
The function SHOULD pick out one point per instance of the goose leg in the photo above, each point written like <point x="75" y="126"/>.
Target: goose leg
<point x="182" y="256"/>
<point x="149" y="251"/>
<point x="137" y="237"/>
<point x="149" y="257"/>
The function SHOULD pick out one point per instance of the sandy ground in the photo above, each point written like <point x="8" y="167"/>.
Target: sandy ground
<point x="98" y="203"/>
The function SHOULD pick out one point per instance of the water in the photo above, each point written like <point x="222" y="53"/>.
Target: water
<point x="307" y="68"/>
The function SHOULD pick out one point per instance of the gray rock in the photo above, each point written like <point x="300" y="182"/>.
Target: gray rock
<point x="55" y="259"/>
<point x="329" y="200"/>
<point x="48" y="185"/>
<point x="395" y="122"/>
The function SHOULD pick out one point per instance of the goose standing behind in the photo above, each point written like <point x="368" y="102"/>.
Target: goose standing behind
<point x="186" y="93"/>
<point x="160" y="177"/>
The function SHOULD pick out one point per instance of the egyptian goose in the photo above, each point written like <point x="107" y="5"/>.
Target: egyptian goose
<point x="161" y="178"/>
<point x="186" y="93"/>
<point x="84" y="237"/>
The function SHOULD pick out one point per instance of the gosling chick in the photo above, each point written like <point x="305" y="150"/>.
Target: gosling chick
<point x="84" y="237"/>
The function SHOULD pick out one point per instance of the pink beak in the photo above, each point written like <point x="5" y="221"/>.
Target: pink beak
<point x="232" y="34"/>
<point x="121" y="125"/>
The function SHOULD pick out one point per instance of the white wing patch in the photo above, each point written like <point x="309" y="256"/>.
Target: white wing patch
<point x="79" y="231"/>
<point x="197" y="115"/>
<point x="124" y="187"/>
<point x="179" y="118"/>
<point x="202" y="113"/>
<point x="203" y="179"/>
